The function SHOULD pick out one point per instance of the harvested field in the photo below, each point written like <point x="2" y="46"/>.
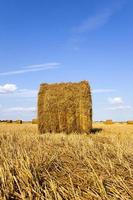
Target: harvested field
<point x="73" y="167"/>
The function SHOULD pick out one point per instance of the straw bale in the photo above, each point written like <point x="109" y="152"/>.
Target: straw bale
<point x="9" y="121"/>
<point x="129" y="122"/>
<point x="65" y="107"/>
<point x="34" y="121"/>
<point x="18" y="121"/>
<point x="108" y="122"/>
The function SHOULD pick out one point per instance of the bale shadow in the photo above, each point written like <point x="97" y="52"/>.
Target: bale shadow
<point x="96" y="130"/>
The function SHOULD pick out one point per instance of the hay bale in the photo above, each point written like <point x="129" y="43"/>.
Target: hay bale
<point x="9" y="121"/>
<point x="122" y="122"/>
<point x="18" y="122"/>
<point x="130" y="122"/>
<point x="34" y="121"/>
<point x="108" y="122"/>
<point x="65" y="107"/>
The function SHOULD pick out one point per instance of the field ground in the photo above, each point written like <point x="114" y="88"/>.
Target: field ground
<point x="98" y="166"/>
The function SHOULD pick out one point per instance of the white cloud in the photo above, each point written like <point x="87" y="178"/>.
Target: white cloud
<point x="7" y="88"/>
<point x="11" y="90"/>
<point x="103" y="90"/>
<point x="117" y="103"/>
<point x="116" y="100"/>
<point x="32" y="68"/>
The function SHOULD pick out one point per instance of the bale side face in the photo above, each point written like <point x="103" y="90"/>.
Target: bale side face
<point x="65" y="107"/>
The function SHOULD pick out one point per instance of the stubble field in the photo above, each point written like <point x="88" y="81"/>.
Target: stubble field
<point x="98" y="166"/>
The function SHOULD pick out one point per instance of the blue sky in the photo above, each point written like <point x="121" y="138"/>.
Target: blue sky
<point x="66" y="40"/>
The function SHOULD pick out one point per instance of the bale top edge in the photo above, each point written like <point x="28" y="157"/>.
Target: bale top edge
<point x="63" y="83"/>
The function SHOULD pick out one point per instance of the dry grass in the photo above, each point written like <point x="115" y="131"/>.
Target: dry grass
<point x="66" y="167"/>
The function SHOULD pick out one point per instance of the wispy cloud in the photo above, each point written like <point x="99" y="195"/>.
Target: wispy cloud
<point x="32" y="68"/>
<point x="95" y="22"/>
<point x="120" y="107"/>
<point x="22" y="93"/>
<point x="53" y="64"/>
<point x="26" y="93"/>
<point x="100" y="18"/>
<point x="20" y="110"/>
<point x="102" y="91"/>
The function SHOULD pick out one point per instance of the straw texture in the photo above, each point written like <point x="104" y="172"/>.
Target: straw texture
<point x="65" y="107"/>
